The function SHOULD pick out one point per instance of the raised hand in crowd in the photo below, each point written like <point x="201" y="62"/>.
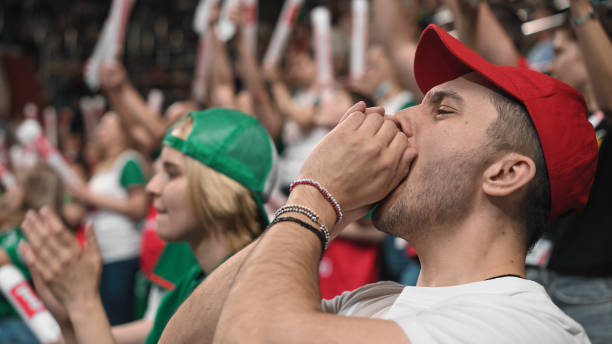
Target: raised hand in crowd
<point x="479" y="29"/>
<point x="302" y="114"/>
<point x="395" y="27"/>
<point x="113" y="76"/>
<point x="250" y="74"/>
<point x="596" y="51"/>
<point x="221" y="91"/>
<point x="145" y="127"/>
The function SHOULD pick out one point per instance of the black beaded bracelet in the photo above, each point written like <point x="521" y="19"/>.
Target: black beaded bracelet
<point x="311" y="228"/>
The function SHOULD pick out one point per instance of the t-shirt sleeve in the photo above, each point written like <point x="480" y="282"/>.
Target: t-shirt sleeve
<point x="132" y="175"/>
<point x="366" y="301"/>
<point x="483" y="320"/>
<point x="333" y="305"/>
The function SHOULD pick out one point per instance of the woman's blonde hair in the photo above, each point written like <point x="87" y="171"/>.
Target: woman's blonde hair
<point x="222" y="205"/>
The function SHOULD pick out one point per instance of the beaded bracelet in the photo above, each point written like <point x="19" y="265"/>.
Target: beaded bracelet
<point x="314" y="217"/>
<point x="323" y="192"/>
<point x="303" y="224"/>
<point x="296" y="208"/>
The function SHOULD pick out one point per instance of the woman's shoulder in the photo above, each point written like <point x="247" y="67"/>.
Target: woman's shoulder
<point x="127" y="156"/>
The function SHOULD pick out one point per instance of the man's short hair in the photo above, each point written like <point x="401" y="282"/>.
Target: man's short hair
<point x="513" y="131"/>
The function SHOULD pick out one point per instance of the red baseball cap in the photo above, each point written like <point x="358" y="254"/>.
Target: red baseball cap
<point x="557" y="111"/>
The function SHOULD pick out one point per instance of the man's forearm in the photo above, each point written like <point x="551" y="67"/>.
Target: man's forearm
<point x="277" y="285"/>
<point x="275" y="297"/>
<point x="205" y="304"/>
<point x="284" y="269"/>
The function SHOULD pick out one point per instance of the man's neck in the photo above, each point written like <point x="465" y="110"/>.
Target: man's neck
<point x="474" y="250"/>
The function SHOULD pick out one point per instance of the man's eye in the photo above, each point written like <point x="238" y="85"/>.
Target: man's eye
<point x="443" y="111"/>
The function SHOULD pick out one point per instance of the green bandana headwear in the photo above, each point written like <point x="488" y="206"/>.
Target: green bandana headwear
<point x="234" y="144"/>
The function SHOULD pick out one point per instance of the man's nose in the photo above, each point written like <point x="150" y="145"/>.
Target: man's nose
<point x="404" y="119"/>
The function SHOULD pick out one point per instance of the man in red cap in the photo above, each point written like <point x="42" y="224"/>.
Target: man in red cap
<point x="469" y="177"/>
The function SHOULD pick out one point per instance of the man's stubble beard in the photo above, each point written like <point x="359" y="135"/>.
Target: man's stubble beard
<point x="444" y="196"/>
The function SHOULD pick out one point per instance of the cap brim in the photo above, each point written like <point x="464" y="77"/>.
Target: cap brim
<point x="440" y="58"/>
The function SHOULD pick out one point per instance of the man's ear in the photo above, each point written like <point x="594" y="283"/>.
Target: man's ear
<point x="508" y="174"/>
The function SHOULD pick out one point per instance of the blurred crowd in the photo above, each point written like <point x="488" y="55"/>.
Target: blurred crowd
<point x="98" y="165"/>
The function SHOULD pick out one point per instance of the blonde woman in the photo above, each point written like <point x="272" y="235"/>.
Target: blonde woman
<point x="218" y="168"/>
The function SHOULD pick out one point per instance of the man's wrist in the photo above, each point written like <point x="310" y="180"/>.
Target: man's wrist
<point x="310" y="197"/>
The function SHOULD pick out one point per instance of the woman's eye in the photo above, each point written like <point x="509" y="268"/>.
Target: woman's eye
<point x="171" y="174"/>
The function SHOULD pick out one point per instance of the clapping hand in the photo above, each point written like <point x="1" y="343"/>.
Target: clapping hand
<point x="53" y="255"/>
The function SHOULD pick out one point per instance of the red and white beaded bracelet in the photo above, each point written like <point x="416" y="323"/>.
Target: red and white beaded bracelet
<point x="328" y="196"/>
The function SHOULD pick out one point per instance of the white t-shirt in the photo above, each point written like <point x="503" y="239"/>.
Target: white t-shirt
<point x="501" y="310"/>
<point x="118" y="235"/>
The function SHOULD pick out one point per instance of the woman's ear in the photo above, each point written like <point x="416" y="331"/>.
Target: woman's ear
<point x="507" y="174"/>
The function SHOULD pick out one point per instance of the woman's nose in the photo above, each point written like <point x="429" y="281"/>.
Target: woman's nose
<point x="153" y="185"/>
